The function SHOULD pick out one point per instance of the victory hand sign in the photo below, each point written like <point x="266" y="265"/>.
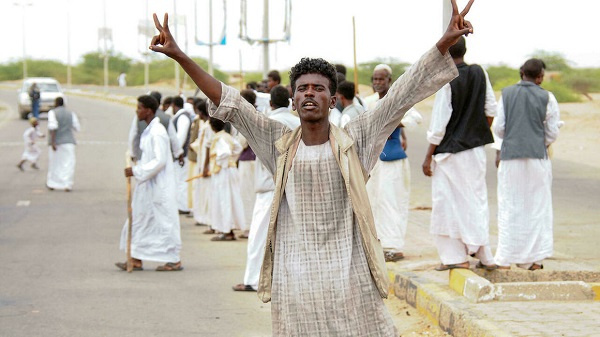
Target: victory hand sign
<point x="165" y="43"/>
<point x="458" y="26"/>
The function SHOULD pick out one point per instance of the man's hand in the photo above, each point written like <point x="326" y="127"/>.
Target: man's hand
<point x="206" y="172"/>
<point x="458" y="26"/>
<point x="180" y="159"/>
<point x="427" y="166"/>
<point x="53" y="147"/>
<point x="128" y="172"/>
<point x="164" y="41"/>
<point x="497" y="158"/>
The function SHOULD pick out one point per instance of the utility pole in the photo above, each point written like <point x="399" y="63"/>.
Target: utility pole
<point x="23" y="4"/>
<point x="210" y="42"/>
<point x="105" y="49"/>
<point x="265" y="38"/>
<point x="446" y="14"/>
<point x="69" y="82"/>
<point x="177" y="84"/>
<point x="146" y="54"/>
<point x="211" y="71"/>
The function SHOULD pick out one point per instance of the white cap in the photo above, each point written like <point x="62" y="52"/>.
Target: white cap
<point x="383" y="66"/>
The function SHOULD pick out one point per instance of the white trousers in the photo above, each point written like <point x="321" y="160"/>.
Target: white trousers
<point x="453" y="251"/>
<point x="257" y="239"/>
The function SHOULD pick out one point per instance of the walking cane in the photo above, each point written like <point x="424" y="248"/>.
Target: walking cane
<point x="129" y="218"/>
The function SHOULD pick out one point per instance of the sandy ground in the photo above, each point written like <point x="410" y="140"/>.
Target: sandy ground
<point x="580" y="136"/>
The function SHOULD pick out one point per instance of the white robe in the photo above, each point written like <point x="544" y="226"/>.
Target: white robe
<point x="246" y="171"/>
<point x="458" y="188"/>
<point x="389" y="193"/>
<point x="61" y="163"/>
<point x="155" y="228"/>
<point x="525" y="214"/>
<point x="32" y="151"/>
<point x="226" y="207"/>
<point x="181" y="172"/>
<point x="201" y="186"/>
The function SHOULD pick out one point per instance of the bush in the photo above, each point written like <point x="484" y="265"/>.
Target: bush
<point x="562" y="92"/>
<point x="583" y="81"/>
<point x="502" y="76"/>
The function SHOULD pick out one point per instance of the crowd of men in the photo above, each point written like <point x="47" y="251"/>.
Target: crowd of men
<point x="318" y="178"/>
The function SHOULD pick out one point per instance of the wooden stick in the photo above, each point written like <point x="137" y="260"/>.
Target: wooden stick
<point x="130" y="219"/>
<point x="355" y="66"/>
<point x="196" y="177"/>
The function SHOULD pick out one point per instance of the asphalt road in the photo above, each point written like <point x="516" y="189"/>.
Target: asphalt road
<point x="57" y="249"/>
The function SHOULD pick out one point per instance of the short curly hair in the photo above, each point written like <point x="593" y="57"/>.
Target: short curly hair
<point x="309" y="65"/>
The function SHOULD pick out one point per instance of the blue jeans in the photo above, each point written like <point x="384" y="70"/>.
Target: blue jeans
<point x="35" y="108"/>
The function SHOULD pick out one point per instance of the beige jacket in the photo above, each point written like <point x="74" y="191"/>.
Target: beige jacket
<point x="356" y="147"/>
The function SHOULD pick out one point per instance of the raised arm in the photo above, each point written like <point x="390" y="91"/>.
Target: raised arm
<point x="165" y="43"/>
<point x="434" y="69"/>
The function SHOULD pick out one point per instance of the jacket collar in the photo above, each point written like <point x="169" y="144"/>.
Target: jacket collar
<point x="340" y="137"/>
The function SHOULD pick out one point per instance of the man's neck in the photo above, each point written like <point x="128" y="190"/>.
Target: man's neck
<point x="150" y="118"/>
<point x="345" y="103"/>
<point x="458" y="60"/>
<point x="315" y="133"/>
<point x="383" y="93"/>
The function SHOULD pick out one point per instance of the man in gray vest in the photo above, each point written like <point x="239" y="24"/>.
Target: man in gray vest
<point x="182" y="120"/>
<point x="61" y="152"/>
<point x="528" y="122"/>
<point x="137" y="127"/>
<point x="463" y="111"/>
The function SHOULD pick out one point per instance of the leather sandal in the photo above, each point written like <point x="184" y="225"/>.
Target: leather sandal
<point x="170" y="266"/>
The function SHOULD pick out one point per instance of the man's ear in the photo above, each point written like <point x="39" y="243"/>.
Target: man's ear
<point x="333" y="101"/>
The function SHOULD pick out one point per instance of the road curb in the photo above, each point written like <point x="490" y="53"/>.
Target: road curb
<point x="596" y="289"/>
<point x="472" y="286"/>
<point x="443" y="307"/>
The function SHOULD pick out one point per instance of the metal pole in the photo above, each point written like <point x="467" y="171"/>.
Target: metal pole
<point x="210" y="39"/>
<point x="146" y="55"/>
<point x="24" y="53"/>
<point x="105" y="50"/>
<point x="176" y="39"/>
<point x="266" y="38"/>
<point x="446" y="14"/>
<point x="185" y="77"/>
<point x="68" y="44"/>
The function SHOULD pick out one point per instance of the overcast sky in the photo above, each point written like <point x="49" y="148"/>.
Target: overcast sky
<point x="506" y="31"/>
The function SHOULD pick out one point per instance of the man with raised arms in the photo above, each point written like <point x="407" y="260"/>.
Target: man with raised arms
<point x="323" y="267"/>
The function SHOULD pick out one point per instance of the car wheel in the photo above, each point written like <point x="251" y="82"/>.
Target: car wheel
<point x="24" y="114"/>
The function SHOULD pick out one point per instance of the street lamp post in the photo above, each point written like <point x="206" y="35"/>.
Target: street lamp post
<point x="23" y="4"/>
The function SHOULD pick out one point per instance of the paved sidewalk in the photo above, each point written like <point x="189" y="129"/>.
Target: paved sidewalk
<point x="427" y="290"/>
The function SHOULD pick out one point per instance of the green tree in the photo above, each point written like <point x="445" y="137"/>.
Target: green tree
<point x="555" y="61"/>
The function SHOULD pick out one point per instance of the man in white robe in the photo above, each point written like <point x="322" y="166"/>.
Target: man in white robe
<point x="155" y="231"/>
<point x="389" y="185"/>
<point x="459" y="129"/>
<point x="61" y="152"/>
<point x="527" y="123"/>
<point x="321" y="233"/>
<point x="264" y="187"/>
<point x="201" y="185"/>
<point x="182" y="121"/>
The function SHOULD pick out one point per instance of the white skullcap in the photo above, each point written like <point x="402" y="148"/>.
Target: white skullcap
<point x="383" y="66"/>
